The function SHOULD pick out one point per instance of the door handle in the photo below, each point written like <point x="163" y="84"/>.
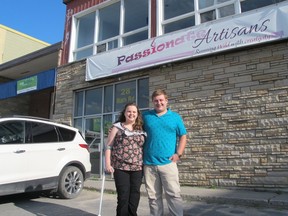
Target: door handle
<point x="61" y="149"/>
<point x="19" y="151"/>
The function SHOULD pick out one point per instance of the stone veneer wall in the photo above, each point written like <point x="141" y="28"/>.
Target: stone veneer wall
<point x="235" y="108"/>
<point x="15" y="106"/>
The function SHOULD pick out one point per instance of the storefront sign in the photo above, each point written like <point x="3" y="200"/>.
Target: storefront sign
<point x="242" y="30"/>
<point x="26" y="85"/>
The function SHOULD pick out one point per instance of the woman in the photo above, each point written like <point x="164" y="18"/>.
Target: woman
<point x="123" y="157"/>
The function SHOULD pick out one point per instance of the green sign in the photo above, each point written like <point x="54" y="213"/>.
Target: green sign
<point x="26" y="85"/>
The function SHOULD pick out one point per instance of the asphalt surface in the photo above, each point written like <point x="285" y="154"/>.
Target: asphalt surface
<point x="252" y="198"/>
<point x="88" y="204"/>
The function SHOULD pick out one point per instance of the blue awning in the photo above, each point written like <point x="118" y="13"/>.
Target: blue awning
<point x="41" y="81"/>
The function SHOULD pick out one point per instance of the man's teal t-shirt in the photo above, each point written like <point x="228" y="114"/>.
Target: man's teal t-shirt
<point x="162" y="136"/>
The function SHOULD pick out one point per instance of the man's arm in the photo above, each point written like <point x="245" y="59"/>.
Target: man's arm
<point x="180" y="150"/>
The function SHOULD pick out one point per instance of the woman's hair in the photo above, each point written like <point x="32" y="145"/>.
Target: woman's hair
<point x="138" y="125"/>
<point x="159" y="92"/>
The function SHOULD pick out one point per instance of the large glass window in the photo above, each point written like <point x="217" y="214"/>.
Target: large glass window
<point x="93" y="101"/>
<point x="124" y="93"/>
<point x="109" y="27"/>
<point x="96" y="109"/>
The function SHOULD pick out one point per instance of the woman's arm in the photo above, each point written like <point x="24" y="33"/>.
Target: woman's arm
<point x="108" y="148"/>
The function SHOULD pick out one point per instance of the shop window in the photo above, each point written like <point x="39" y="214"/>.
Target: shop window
<point x="78" y="108"/>
<point x="143" y="97"/>
<point x="96" y="109"/>
<point x="108" y="99"/>
<point x="93" y="101"/>
<point x="124" y="93"/>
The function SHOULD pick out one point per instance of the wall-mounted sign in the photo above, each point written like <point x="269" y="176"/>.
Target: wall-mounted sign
<point x="26" y="85"/>
<point x="263" y="25"/>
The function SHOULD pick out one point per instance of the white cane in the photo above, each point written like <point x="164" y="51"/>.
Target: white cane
<point x="102" y="186"/>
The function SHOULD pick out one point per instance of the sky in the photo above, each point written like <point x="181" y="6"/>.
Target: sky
<point x="41" y="19"/>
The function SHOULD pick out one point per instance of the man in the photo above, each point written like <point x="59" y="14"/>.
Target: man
<point x="161" y="152"/>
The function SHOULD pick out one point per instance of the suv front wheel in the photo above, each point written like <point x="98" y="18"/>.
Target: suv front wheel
<point x="70" y="182"/>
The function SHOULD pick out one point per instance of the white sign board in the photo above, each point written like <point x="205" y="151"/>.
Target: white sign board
<point x="268" y="24"/>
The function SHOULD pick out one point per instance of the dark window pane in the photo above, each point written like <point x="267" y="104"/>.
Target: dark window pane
<point x="143" y="93"/>
<point x="78" y="110"/>
<point x="109" y="21"/>
<point x="254" y="4"/>
<point x="124" y="93"/>
<point x="226" y="11"/>
<point x="93" y="131"/>
<point x="12" y="132"/>
<point x="208" y="16"/>
<point x="42" y="133"/>
<point x="108" y="99"/>
<point x="84" y="53"/>
<point x="173" y="8"/>
<point x="136" y="14"/>
<point x="86" y="26"/>
<point x="181" y="24"/>
<point x="93" y="101"/>
<point x="78" y="124"/>
<point x="66" y="134"/>
<point x="136" y="37"/>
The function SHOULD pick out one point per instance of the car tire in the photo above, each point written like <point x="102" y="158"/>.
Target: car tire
<point x="70" y="182"/>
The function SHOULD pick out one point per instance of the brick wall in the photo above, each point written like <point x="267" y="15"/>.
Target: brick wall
<point x="235" y="108"/>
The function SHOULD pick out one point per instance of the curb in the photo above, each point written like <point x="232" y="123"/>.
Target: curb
<point x="237" y="197"/>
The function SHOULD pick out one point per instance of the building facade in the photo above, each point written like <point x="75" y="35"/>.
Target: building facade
<point x="222" y="63"/>
<point x="14" y="44"/>
<point x="27" y="74"/>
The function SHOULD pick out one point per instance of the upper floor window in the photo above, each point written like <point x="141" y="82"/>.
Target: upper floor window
<point x="115" y="25"/>
<point x="175" y="15"/>
<point x="247" y="5"/>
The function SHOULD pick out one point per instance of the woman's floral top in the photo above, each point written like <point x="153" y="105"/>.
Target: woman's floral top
<point x="127" y="149"/>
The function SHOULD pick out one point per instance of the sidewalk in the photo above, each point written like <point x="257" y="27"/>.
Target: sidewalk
<point x="221" y="196"/>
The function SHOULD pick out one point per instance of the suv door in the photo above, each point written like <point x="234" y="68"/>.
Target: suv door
<point x="12" y="152"/>
<point x="46" y="152"/>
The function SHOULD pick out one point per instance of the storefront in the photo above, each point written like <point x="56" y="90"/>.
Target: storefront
<point x="227" y="78"/>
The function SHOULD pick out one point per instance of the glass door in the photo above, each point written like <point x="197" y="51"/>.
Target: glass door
<point x="93" y="138"/>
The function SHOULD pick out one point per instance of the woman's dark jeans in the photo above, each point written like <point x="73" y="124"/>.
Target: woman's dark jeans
<point x="128" y="185"/>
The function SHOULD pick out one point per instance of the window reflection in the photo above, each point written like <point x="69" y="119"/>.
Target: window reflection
<point x="208" y="16"/>
<point x="86" y="26"/>
<point x="109" y="24"/>
<point x="124" y="93"/>
<point x="93" y="101"/>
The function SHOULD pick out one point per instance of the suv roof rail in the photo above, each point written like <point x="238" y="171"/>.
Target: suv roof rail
<point x="40" y="118"/>
<point x="32" y="117"/>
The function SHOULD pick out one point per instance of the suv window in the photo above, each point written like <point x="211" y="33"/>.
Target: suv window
<point x="11" y="132"/>
<point x="39" y="133"/>
<point x="66" y="134"/>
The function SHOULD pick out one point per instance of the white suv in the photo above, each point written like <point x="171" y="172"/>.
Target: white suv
<point x="38" y="154"/>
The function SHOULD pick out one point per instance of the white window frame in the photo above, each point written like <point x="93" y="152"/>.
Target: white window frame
<point x="119" y="38"/>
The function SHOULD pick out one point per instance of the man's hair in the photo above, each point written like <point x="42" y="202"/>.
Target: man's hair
<point x="159" y="92"/>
